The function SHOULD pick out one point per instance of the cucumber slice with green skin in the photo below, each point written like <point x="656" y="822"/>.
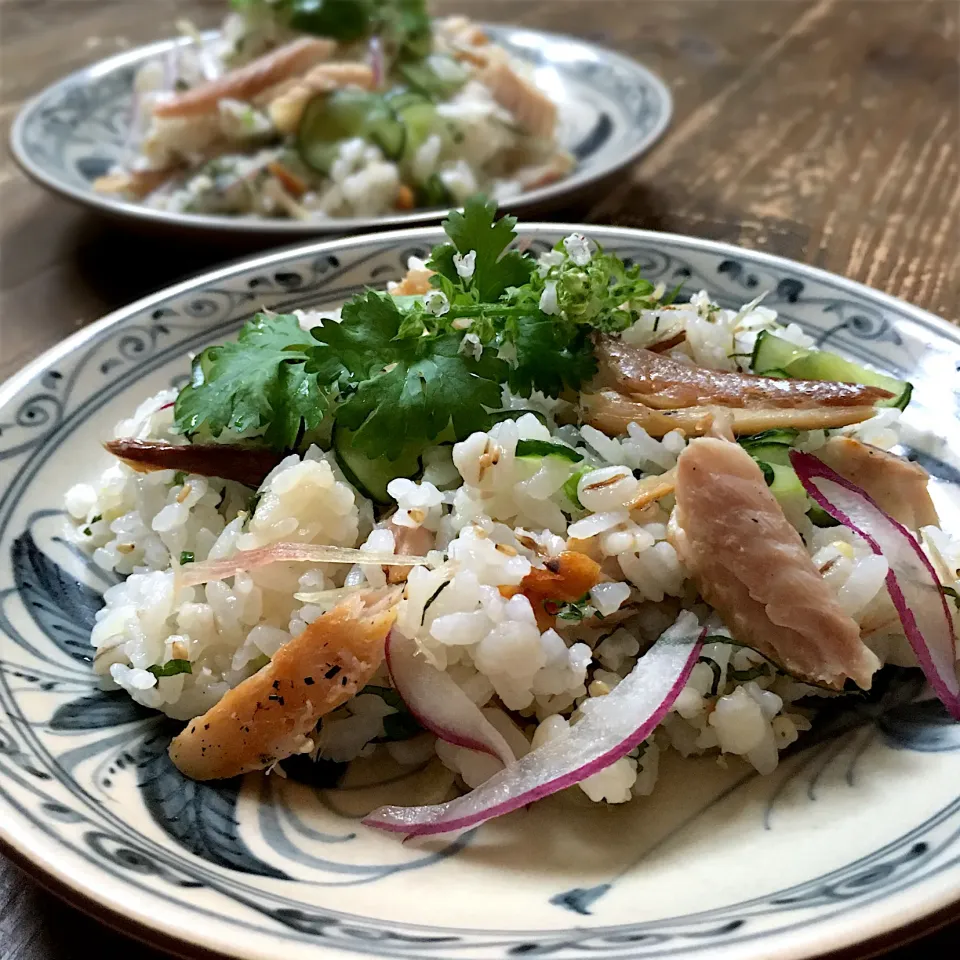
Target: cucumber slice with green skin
<point x="329" y="118"/>
<point x="571" y="484"/>
<point x="785" y="485"/>
<point x="544" y="448"/>
<point x="371" y="477"/>
<point x="421" y="121"/>
<point x="820" y="518"/>
<point x="773" y="356"/>
<point x="772" y="453"/>
<point x="385" y="128"/>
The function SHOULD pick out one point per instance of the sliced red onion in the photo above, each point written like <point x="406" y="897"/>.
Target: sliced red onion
<point x="439" y="704"/>
<point x="377" y="64"/>
<point x="193" y="573"/>
<point x="615" y="724"/>
<point x="911" y="580"/>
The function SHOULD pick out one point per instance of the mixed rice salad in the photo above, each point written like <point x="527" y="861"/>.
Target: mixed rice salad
<point x="480" y="520"/>
<point x="346" y="108"/>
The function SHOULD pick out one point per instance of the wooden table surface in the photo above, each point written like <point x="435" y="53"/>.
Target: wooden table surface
<point x="825" y="131"/>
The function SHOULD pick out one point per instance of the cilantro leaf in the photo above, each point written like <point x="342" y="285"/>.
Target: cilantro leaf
<point x="431" y="386"/>
<point x="362" y="343"/>
<point x="549" y="359"/>
<point x="256" y="382"/>
<point x="478" y="228"/>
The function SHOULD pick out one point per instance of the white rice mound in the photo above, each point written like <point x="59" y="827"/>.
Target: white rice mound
<point x="480" y="154"/>
<point x="494" y="517"/>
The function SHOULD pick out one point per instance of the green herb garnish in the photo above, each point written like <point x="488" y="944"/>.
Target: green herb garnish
<point x="186" y="556"/>
<point x="179" y="478"/>
<point x="397" y="372"/>
<point x="171" y="668"/>
<point x="574" y="612"/>
<point x="717" y="674"/>
<point x="751" y="673"/>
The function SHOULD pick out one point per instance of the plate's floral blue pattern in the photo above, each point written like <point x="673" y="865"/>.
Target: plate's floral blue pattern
<point x="86" y="784"/>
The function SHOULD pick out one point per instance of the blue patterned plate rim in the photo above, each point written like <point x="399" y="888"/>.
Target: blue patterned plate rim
<point x="429" y="235"/>
<point x="542" y="197"/>
<point x="834" y="932"/>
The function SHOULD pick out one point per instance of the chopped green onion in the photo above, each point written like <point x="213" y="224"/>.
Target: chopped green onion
<point x="186" y="556"/>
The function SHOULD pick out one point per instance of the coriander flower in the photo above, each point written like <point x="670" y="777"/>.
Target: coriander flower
<point x="547" y="260"/>
<point x="437" y="303"/>
<point x="578" y="249"/>
<point x="471" y="346"/>
<point x="548" y="299"/>
<point x="465" y="264"/>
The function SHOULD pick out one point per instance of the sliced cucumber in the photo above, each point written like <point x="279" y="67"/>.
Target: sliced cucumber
<point x="771" y="446"/>
<point x="371" y="477"/>
<point x="385" y="128"/>
<point x="773" y="356"/>
<point x="545" y="448"/>
<point x="769" y="453"/>
<point x="820" y="518"/>
<point x="571" y="485"/>
<point x="329" y="118"/>
<point x="785" y="485"/>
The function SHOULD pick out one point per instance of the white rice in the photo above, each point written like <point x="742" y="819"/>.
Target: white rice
<point x="495" y="516"/>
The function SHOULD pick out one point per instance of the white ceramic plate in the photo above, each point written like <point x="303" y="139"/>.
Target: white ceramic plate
<point x="611" y="110"/>
<point x="856" y="835"/>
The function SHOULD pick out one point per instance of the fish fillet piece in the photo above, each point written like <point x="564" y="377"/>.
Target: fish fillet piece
<point x="666" y="384"/>
<point x="137" y="183"/>
<point x="751" y="566"/>
<point x="247" y="81"/>
<point x="898" y="486"/>
<point x="249" y="465"/>
<point x="611" y="412"/>
<point x="532" y="109"/>
<point x="287" y="109"/>
<point x="415" y="283"/>
<point x="267" y="717"/>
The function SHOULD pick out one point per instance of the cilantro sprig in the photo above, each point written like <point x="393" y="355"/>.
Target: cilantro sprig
<point x="400" y="373"/>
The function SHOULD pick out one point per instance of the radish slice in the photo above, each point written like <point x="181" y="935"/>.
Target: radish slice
<point x="439" y="704"/>
<point x="193" y="573"/>
<point x="614" y="725"/>
<point x="911" y="580"/>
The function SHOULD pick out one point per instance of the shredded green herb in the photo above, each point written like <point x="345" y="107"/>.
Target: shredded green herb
<point x="171" y="668"/>
<point x="751" y="673"/>
<point x="717" y="674"/>
<point x="186" y="556"/>
<point x="397" y="371"/>
<point x="574" y="612"/>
